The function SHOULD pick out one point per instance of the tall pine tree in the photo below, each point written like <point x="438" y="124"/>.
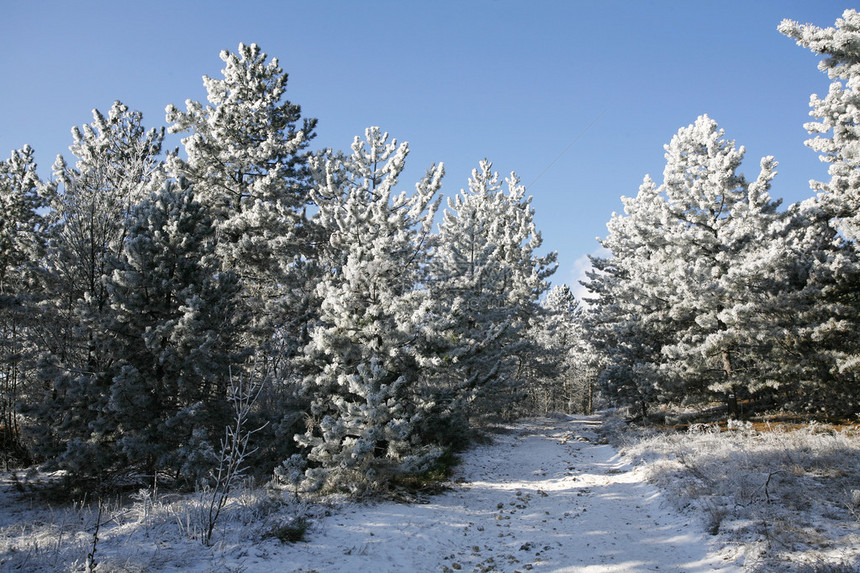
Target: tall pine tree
<point x="827" y="325"/>
<point x="116" y="159"/>
<point x="672" y="297"/>
<point x="22" y="242"/>
<point x="486" y="278"/>
<point x="247" y="158"/>
<point x="365" y="365"/>
<point x="172" y="329"/>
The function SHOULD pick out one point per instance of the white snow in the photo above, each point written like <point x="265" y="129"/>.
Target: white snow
<point x="545" y="495"/>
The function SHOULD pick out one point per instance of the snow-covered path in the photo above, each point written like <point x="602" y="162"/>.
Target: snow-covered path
<point x="543" y="497"/>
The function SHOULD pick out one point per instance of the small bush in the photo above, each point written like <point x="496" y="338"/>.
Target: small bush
<point x="292" y="532"/>
<point x="430" y="480"/>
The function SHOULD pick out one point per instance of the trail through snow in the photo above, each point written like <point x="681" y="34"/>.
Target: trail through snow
<point x="544" y="496"/>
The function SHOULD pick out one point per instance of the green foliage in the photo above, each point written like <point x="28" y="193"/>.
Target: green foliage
<point x="292" y="532"/>
<point x="172" y="330"/>
<point x="431" y="479"/>
<point x="86" y="224"/>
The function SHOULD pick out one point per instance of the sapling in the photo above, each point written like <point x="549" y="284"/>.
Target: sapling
<point x="854" y="504"/>
<point x="234" y="450"/>
<point x="91" y="563"/>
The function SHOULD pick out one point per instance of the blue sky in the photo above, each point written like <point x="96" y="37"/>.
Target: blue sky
<point x="577" y="97"/>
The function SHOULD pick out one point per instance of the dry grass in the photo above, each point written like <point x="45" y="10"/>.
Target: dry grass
<point x="144" y="532"/>
<point x="787" y="493"/>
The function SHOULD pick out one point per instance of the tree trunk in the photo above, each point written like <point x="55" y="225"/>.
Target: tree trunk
<point x="732" y="397"/>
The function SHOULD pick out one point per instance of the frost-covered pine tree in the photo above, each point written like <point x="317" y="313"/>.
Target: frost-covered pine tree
<point x="89" y="214"/>
<point x="828" y="260"/>
<point x="22" y="241"/>
<point x="365" y="363"/>
<point x="171" y="330"/>
<point x="805" y="311"/>
<point x="22" y="228"/>
<point x="116" y="159"/>
<point x="717" y="221"/>
<point x="553" y="382"/>
<point x="486" y="278"/>
<point x="837" y="116"/>
<point x="679" y="281"/>
<point x="625" y="324"/>
<point x="247" y="158"/>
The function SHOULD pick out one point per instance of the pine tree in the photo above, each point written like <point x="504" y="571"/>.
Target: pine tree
<point x="837" y="114"/>
<point x="626" y="325"/>
<point x="552" y="380"/>
<point x="116" y="159"/>
<point x="486" y="279"/>
<point x="171" y="330"/>
<point x="22" y="241"/>
<point x="364" y="357"/>
<point x="825" y="331"/>
<point x="717" y="220"/>
<point x="248" y="159"/>
<point x="671" y="301"/>
<point x="22" y="227"/>
<point x="804" y="318"/>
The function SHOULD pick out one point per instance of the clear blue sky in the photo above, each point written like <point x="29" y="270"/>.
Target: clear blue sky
<point x="577" y="97"/>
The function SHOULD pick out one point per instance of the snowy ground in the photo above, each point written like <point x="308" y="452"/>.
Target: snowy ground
<point x="786" y="497"/>
<point x="544" y="496"/>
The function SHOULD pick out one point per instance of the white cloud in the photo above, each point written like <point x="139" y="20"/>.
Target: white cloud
<point x="577" y="272"/>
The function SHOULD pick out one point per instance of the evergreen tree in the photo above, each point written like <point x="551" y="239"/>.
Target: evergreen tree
<point x="172" y="329"/>
<point x="248" y="159"/>
<point x="116" y="158"/>
<point x="672" y="297"/>
<point x="805" y="311"/>
<point x="89" y="218"/>
<point x="552" y="380"/>
<point x="486" y="280"/>
<point x="22" y="238"/>
<point x="826" y="328"/>
<point x="837" y="115"/>
<point x="364" y="357"/>
<point x="626" y="325"/>
<point x="717" y="221"/>
<point x="22" y="228"/>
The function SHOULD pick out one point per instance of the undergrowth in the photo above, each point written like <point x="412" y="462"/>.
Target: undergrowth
<point x="291" y="532"/>
<point x="144" y="531"/>
<point x="788" y="497"/>
<point x="432" y="479"/>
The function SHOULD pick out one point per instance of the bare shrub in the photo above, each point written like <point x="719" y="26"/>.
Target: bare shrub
<point x="233" y="455"/>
